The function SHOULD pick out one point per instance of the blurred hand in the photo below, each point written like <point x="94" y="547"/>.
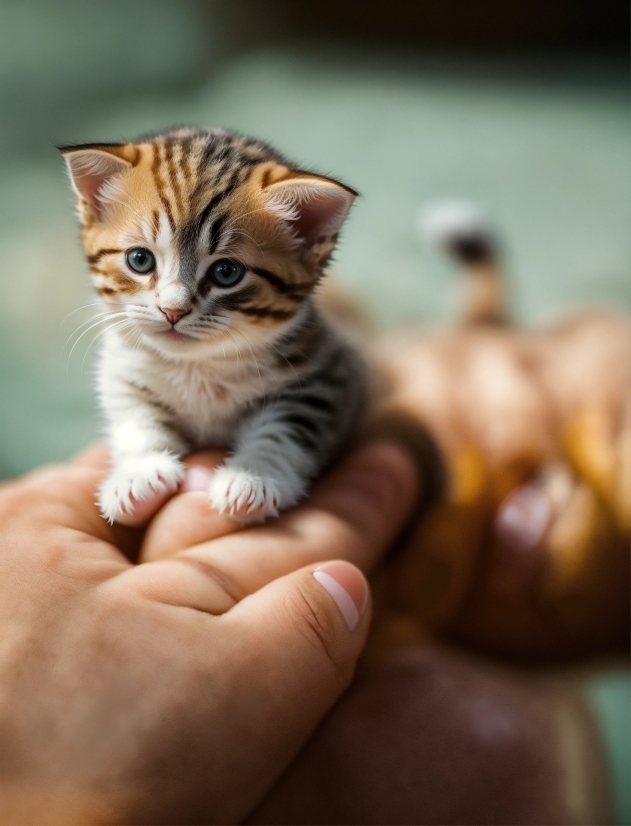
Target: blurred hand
<point x="178" y="689"/>
<point x="434" y="736"/>
<point x="527" y="556"/>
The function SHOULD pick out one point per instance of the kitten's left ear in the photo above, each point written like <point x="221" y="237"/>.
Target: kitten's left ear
<point x="92" y="165"/>
<point x="314" y="208"/>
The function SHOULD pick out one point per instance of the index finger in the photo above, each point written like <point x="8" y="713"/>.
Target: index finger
<point x="96" y="457"/>
<point x="188" y="518"/>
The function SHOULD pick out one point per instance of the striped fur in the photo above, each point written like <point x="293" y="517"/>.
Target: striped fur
<point x="187" y="363"/>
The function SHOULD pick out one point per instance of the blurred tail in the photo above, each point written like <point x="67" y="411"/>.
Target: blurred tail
<point x="461" y="231"/>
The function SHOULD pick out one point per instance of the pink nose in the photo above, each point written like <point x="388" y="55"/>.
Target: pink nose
<point x="174" y="315"/>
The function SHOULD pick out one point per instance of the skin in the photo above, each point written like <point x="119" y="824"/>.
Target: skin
<point x="433" y="736"/>
<point x="177" y="688"/>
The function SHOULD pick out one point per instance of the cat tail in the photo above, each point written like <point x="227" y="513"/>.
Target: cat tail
<point x="460" y="230"/>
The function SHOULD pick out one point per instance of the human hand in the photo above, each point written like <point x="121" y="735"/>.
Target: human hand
<point x="178" y="689"/>
<point x="428" y="735"/>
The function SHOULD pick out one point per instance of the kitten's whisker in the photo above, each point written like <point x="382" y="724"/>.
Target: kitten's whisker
<point x="99" y="319"/>
<point x="112" y="186"/>
<point x="280" y="353"/>
<point x="92" y="318"/>
<point x="258" y="370"/>
<point x="244" y="215"/>
<point x="243" y="232"/>
<point x="128" y="195"/>
<point x="138" y="340"/>
<point x="128" y="206"/>
<point x="102" y="333"/>
<point x="138" y="333"/>
<point x="85" y="307"/>
<point x="83" y="334"/>
<point x="236" y="347"/>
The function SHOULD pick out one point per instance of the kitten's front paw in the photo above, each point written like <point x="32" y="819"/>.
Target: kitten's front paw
<point x="245" y="496"/>
<point x="138" y="479"/>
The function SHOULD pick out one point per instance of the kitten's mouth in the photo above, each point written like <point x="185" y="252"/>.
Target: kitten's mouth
<point x="175" y="335"/>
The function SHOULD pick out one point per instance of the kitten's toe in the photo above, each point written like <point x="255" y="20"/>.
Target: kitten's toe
<point x="139" y="480"/>
<point x="245" y="496"/>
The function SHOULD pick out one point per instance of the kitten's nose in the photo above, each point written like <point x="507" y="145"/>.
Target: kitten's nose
<point x="174" y="315"/>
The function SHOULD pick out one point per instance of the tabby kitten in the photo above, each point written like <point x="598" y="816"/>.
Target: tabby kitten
<point x="205" y="247"/>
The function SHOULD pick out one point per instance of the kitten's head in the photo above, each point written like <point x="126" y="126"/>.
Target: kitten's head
<point x="194" y="235"/>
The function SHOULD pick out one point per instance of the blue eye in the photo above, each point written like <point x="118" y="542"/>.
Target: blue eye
<point x="226" y="273"/>
<point x="141" y="260"/>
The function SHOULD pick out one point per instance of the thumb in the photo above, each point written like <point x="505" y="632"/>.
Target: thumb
<point x="310" y="626"/>
<point x="301" y="637"/>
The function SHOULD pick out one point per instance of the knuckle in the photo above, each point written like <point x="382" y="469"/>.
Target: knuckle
<point x="330" y="535"/>
<point x="185" y="580"/>
<point x="15" y="497"/>
<point x="221" y="581"/>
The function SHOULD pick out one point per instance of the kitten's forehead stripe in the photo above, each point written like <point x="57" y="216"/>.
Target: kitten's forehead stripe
<point x="192" y="232"/>
<point x="157" y="178"/>
<point x="172" y="171"/>
<point x="215" y="233"/>
<point x="197" y="226"/>
<point x="155" y="224"/>
<point x="186" y="148"/>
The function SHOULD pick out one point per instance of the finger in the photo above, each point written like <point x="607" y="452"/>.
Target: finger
<point x="294" y="647"/>
<point x="188" y="518"/>
<point x="70" y="492"/>
<point x="126" y="532"/>
<point x="95" y="456"/>
<point x="356" y="513"/>
<point x="144" y="509"/>
<point x="373" y="493"/>
<point x="64" y="495"/>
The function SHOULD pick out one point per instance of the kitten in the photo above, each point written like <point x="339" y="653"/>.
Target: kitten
<point x="205" y="247"/>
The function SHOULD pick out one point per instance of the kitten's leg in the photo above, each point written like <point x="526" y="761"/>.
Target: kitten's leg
<point x="279" y="450"/>
<point x="146" y="453"/>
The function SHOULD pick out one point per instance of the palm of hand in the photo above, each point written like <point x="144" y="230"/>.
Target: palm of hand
<point x="177" y="689"/>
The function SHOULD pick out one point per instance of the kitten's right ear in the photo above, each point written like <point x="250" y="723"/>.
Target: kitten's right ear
<point x="92" y="166"/>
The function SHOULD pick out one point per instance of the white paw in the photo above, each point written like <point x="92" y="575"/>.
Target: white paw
<point x="245" y="496"/>
<point x="137" y="479"/>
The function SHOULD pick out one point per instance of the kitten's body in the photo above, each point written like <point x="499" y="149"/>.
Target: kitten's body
<point x="190" y="361"/>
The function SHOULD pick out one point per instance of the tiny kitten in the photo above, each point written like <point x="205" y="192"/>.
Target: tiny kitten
<point x="205" y="247"/>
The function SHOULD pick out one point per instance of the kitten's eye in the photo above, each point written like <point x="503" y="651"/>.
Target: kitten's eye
<point x="226" y="273"/>
<point x="141" y="260"/>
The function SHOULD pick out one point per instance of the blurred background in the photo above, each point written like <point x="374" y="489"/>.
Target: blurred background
<point x="519" y="105"/>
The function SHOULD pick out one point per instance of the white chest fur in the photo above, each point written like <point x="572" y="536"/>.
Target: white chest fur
<point x="209" y="396"/>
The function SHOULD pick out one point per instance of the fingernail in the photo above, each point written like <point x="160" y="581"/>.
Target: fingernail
<point x="523" y="517"/>
<point x="196" y="478"/>
<point x="348" y="588"/>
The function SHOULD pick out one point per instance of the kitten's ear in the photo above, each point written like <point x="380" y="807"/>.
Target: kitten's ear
<point x="313" y="207"/>
<point x="92" y="166"/>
